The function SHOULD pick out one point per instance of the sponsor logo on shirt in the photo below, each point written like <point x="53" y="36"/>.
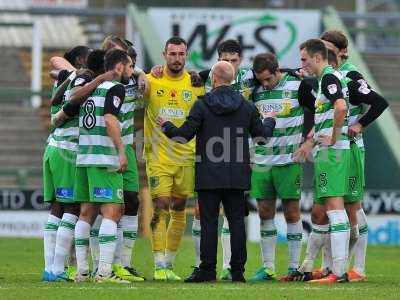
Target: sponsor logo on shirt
<point x="160" y="92"/>
<point x="281" y="109"/>
<point x="287" y="94"/>
<point x="187" y="95"/>
<point x="170" y="112"/>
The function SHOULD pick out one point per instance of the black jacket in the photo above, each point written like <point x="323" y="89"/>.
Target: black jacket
<point x="222" y="121"/>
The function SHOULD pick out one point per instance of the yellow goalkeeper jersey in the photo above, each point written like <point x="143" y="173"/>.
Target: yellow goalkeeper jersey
<point x="171" y="98"/>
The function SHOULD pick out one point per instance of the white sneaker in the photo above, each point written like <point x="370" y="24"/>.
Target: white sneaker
<point x="112" y="278"/>
<point x="82" y="277"/>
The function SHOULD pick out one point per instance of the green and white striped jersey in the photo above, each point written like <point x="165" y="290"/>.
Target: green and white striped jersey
<point x="287" y="134"/>
<point x="66" y="136"/>
<point x="244" y="82"/>
<point x="95" y="146"/>
<point x="355" y="111"/>
<point x="324" y="111"/>
<point x="127" y="111"/>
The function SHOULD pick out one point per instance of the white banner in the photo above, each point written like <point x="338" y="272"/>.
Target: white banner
<point x="59" y="3"/>
<point x="258" y="31"/>
<point x="382" y="229"/>
<point x="25" y="223"/>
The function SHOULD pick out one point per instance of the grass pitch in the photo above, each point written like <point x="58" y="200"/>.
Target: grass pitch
<point x="21" y="264"/>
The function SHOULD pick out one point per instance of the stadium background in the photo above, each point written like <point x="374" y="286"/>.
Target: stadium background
<point x="31" y="31"/>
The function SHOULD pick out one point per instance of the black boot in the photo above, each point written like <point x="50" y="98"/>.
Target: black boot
<point x="200" y="275"/>
<point x="195" y="270"/>
<point x="238" y="277"/>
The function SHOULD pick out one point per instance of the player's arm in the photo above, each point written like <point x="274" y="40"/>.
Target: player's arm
<point x="64" y="78"/>
<point x="85" y="86"/>
<point x="361" y="93"/>
<point x="71" y="108"/>
<point x="188" y="129"/>
<point x="60" y="63"/>
<point x="54" y="74"/>
<point x="261" y="129"/>
<point x="143" y="82"/>
<point x="355" y="75"/>
<point x="331" y="88"/>
<point x="112" y="105"/>
<point x="68" y="111"/>
<point x="307" y="100"/>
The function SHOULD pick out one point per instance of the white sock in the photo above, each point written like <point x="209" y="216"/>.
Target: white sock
<point x="169" y="258"/>
<point x="354" y="236"/>
<point x="294" y="236"/>
<point x="315" y="241"/>
<point x="226" y="244"/>
<point x="130" y="228"/>
<point x="268" y="235"/>
<point x="71" y="257"/>
<point x="82" y="234"/>
<point x="107" y="245"/>
<point x="94" y="242"/>
<point x="327" y="254"/>
<point x="340" y="235"/>
<point x="196" y="232"/>
<point x="118" y="245"/>
<point x="49" y="241"/>
<point x="159" y="260"/>
<point x="65" y="236"/>
<point x="360" y="249"/>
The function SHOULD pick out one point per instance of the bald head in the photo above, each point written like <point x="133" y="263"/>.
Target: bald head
<point x="223" y="73"/>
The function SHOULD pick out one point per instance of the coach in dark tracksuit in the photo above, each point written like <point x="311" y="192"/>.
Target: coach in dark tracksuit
<point x="222" y="122"/>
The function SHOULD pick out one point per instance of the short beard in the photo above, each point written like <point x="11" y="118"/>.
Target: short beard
<point x="175" y="71"/>
<point x="125" y="80"/>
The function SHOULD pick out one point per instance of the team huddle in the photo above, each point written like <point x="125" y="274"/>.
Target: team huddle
<point x="90" y="168"/>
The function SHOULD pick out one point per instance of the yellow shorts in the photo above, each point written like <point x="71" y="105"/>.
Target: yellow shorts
<point x="170" y="180"/>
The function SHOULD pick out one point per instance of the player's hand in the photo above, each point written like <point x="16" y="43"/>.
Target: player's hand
<point x="123" y="161"/>
<point x="270" y="114"/>
<point x="143" y="85"/>
<point x="161" y="120"/>
<point x="301" y="154"/>
<point x="301" y="73"/>
<point x="157" y="71"/>
<point x="326" y="140"/>
<point x="108" y="76"/>
<point x="195" y="79"/>
<point x="354" y="130"/>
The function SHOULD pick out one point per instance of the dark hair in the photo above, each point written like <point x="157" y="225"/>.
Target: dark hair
<point x="73" y="54"/>
<point x="265" y="61"/>
<point x="113" y="57"/>
<point x="229" y="46"/>
<point x="332" y="58"/>
<point x="175" y="40"/>
<point x="132" y="53"/>
<point x="129" y="43"/>
<point x="95" y="61"/>
<point x="113" y="40"/>
<point x="336" y="37"/>
<point x="314" y="46"/>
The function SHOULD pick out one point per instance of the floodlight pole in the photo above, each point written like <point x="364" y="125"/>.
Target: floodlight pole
<point x="361" y="9"/>
<point x="36" y="77"/>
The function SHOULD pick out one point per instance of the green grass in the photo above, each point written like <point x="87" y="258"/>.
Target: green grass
<point x="21" y="264"/>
